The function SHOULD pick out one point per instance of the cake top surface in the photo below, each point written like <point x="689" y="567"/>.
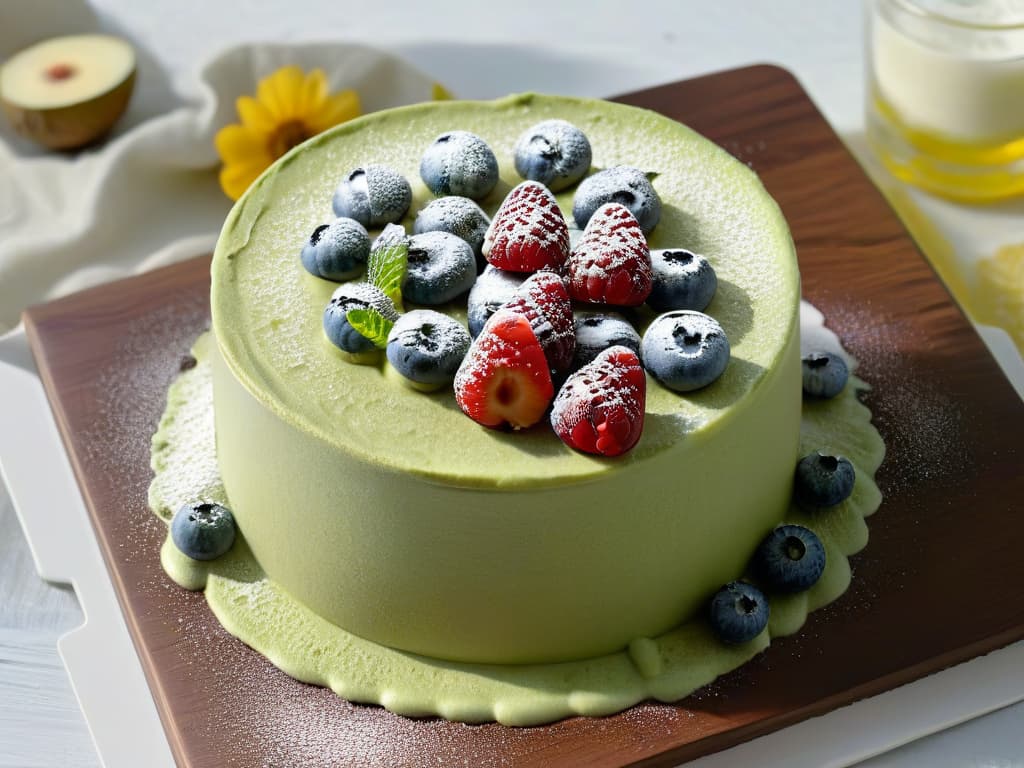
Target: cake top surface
<point x="267" y="309"/>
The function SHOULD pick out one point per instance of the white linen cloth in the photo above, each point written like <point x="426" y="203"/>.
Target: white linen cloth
<point x="149" y="195"/>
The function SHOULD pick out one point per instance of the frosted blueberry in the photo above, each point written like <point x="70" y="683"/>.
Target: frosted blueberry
<point x="682" y="280"/>
<point x="789" y="559"/>
<point x="203" y="530"/>
<point x="373" y="195"/>
<point x="596" y="332"/>
<point x="440" y="267"/>
<point x="685" y="350"/>
<point x="354" y="296"/>
<point x="336" y="251"/>
<point x="823" y="480"/>
<point x="554" y="152"/>
<point x="459" y="163"/>
<point x="619" y="184"/>
<point x="824" y="374"/>
<point x="738" y="613"/>
<point x="427" y="347"/>
<point x="458" y="215"/>
<point x="493" y="288"/>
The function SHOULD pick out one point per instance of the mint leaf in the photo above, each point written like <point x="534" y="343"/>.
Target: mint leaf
<point x="386" y="265"/>
<point x="371" y="324"/>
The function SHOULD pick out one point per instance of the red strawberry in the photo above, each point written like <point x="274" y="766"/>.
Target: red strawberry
<point x="504" y="377"/>
<point x="611" y="263"/>
<point x="543" y="300"/>
<point x="600" y="408"/>
<point x="528" y="232"/>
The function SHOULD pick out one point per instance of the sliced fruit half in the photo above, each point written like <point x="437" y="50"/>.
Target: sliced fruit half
<point x="69" y="91"/>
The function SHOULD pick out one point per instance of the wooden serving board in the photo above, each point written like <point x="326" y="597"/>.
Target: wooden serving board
<point x="938" y="584"/>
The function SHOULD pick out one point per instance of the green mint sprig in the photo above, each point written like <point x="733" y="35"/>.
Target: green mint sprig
<point x="386" y="265"/>
<point x="372" y="324"/>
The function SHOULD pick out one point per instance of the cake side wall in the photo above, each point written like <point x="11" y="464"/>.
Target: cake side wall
<point x="510" y="576"/>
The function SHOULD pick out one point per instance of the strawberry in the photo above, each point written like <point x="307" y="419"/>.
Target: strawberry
<point x="504" y="377"/>
<point x="528" y="232"/>
<point x="600" y="408"/>
<point x="544" y="301"/>
<point x="611" y="263"/>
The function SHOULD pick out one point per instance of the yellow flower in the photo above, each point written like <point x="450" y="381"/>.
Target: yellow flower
<point x="289" y="108"/>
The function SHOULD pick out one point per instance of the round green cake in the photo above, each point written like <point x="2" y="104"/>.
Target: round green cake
<point x="390" y="514"/>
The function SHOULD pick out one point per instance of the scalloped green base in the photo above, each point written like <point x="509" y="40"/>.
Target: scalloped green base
<point x="667" y="668"/>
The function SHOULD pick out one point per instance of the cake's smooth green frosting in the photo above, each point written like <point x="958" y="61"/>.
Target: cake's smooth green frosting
<point x="391" y="514"/>
<point x="667" y="667"/>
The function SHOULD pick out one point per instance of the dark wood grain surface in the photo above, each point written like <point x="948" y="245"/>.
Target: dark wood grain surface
<point x="938" y="583"/>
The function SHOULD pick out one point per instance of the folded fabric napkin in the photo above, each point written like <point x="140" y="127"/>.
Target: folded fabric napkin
<point x="150" y="194"/>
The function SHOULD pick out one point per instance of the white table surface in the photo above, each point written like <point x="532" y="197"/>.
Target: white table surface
<point x="587" y="48"/>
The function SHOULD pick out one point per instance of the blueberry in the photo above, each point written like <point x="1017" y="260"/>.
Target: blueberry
<point x="373" y="195"/>
<point x="823" y="480"/>
<point x="336" y="251"/>
<point x="682" y="280"/>
<point x="459" y="163"/>
<point x="203" y="530"/>
<point x="354" y="296"/>
<point x="440" y="267"/>
<point x="738" y="612"/>
<point x="554" y="152"/>
<point x="685" y="350"/>
<point x="492" y="288"/>
<point x="619" y="184"/>
<point x="596" y="332"/>
<point x="825" y="374"/>
<point x="789" y="559"/>
<point x="427" y="347"/>
<point x="458" y="215"/>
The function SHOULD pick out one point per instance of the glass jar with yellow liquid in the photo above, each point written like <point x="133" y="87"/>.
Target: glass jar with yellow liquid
<point x="946" y="94"/>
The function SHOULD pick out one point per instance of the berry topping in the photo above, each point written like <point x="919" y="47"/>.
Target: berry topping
<point x="824" y="373"/>
<point x="543" y="300"/>
<point x="427" y="347"/>
<point x="685" y="350"/>
<point x="493" y="288"/>
<point x="596" y="332"/>
<point x="504" y="377"/>
<point x="459" y="163"/>
<point x="621" y="184"/>
<point x="682" y="280"/>
<point x="440" y="267"/>
<point x="203" y="530"/>
<point x="823" y="480"/>
<point x="336" y="251"/>
<point x="373" y="195"/>
<point x="600" y="408"/>
<point x="555" y="152"/>
<point x="353" y="297"/>
<point x="738" y="613"/>
<point x="611" y="264"/>
<point x="458" y="215"/>
<point x="789" y="559"/>
<point x="528" y="231"/>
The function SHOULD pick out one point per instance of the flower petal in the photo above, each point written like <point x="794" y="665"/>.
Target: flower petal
<point x="238" y="144"/>
<point x="314" y="93"/>
<point x="338" y="108"/>
<point x="255" y="115"/>
<point x="235" y="178"/>
<point x="279" y="92"/>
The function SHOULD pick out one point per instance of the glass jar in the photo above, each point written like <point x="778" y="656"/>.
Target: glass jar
<point x="945" y="94"/>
